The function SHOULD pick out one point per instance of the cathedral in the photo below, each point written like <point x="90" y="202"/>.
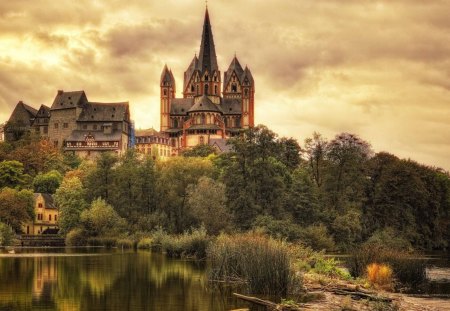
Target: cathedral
<point x="207" y="114"/>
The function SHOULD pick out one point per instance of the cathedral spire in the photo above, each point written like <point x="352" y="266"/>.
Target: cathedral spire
<point x="207" y="58"/>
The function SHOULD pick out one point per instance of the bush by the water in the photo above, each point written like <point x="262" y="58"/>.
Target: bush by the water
<point x="407" y="269"/>
<point x="76" y="237"/>
<point x="263" y="263"/>
<point x="6" y="235"/>
<point x="191" y="244"/>
<point x="125" y="243"/>
<point x="145" y="243"/>
<point x="379" y="274"/>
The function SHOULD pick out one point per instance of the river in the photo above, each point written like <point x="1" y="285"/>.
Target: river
<point x="99" y="279"/>
<point x="72" y="279"/>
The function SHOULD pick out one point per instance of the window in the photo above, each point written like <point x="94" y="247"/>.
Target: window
<point x="192" y="88"/>
<point x="40" y="205"/>
<point x="56" y="125"/>
<point x="94" y="126"/>
<point x="55" y="143"/>
<point x="234" y="87"/>
<point x="215" y="89"/>
<point x="84" y="126"/>
<point x="50" y="217"/>
<point x="198" y="89"/>
<point x="56" y="217"/>
<point x="246" y="92"/>
<point x="165" y="92"/>
<point x="45" y="129"/>
<point x="65" y="125"/>
<point x="206" y="89"/>
<point x="202" y="140"/>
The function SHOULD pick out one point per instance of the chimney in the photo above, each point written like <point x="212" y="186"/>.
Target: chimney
<point x="60" y="92"/>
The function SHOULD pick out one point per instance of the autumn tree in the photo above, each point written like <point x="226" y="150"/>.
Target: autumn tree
<point x="16" y="207"/>
<point x="48" y="182"/>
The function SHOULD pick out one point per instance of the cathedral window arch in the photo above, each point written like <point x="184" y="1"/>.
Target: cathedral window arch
<point x="246" y="92"/>
<point x="202" y="118"/>
<point x="206" y="78"/>
<point x="234" y="87"/>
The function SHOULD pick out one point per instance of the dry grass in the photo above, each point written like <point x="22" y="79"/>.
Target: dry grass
<point x="379" y="274"/>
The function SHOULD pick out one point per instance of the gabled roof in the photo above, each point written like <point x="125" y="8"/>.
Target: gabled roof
<point x="64" y="100"/>
<point x="247" y="75"/>
<point x="207" y="57"/>
<point x="105" y="112"/>
<point x="231" y="106"/>
<point x="204" y="104"/>
<point x="43" y="112"/>
<point x="180" y="106"/>
<point x="147" y="132"/>
<point x="235" y="66"/>
<point x="48" y="199"/>
<point x="193" y="66"/>
<point x="220" y="144"/>
<point x="23" y="114"/>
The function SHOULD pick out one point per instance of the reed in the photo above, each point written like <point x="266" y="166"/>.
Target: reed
<point x="191" y="244"/>
<point x="263" y="263"/>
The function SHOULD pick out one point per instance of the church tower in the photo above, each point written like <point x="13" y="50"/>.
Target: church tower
<point x="203" y="76"/>
<point x="168" y="90"/>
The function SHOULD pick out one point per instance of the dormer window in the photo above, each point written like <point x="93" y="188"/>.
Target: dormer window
<point x="234" y="87"/>
<point x="192" y="88"/>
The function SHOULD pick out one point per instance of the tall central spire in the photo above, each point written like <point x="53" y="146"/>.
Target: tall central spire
<point x="207" y="58"/>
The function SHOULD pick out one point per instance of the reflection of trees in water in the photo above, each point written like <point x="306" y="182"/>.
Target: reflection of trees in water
<point x="115" y="281"/>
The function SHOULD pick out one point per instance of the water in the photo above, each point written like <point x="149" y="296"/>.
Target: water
<point x="99" y="279"/>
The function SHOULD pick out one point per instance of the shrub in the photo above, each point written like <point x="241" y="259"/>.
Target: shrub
<point x="158" y="238"/>
<point x="406" y="268"/>
<point x="330" y="267"/>
<point x="379" y="274"/>
<point x="264" y="264"/>
<point x="102" y="241"/>
<point x="189" y="244"/>
<point x="145" y="243"/>
<point x="76" y="237"/>
<point x="317" y="237"/>
<point x="6" y="235"/>
<point x="279" y="229"/>
<point x="125" y="243"/>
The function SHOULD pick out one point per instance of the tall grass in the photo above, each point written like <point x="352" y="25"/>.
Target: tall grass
<point x="263" y="263"/>
<point x="191" y="244"/>
<point x="407" y="269"/>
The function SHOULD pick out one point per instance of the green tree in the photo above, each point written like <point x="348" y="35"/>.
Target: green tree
<point x="207" y="204"/>
<point x="6" y="235"/>
<point x="199" y="151"/>
<point x="16" y="207"/>
<point x="48" y="182"/>
<point x="102" y="220"/>
<point x="174" y="177"/>
<point x="11" y="174"/>
<point x="100" y="180"/>
<point x="316" y="149"/>
<point x="70" y="200"/>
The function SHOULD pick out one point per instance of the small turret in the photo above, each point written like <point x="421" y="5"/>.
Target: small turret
<point x="168" y="90"/>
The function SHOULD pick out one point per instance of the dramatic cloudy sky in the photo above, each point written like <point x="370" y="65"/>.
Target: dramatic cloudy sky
<point x="380" y="69"/>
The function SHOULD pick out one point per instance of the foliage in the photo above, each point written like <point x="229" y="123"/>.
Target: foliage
<point x="264" y="264"/>
<point x="102" y="220"/>
<point x="277" y="228"/>
<point x="317" y="237"/>
<point x="145" y="243"/>
<point x="6" y="235"/>
<point x="199" y="151"/>
<point x="191" y="244"/>
<point x="76" y="237"/>
<point x="100" y="180"/>
<point x="125" y="243"/>
<point x="330" y="267"/>
<point x="407" y="268"/>
<point x="48" y="182"/>
<point x="70" y="200"/>
<point x="16" y="207"/>
<point x="207" y="205"/>
<point x="379" y="274"/>
<point x="12" y="174"/>
<point x="391" y="239"/>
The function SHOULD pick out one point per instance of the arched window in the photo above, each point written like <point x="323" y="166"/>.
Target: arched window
<point x="175" y="123"/>
<point x="234" y="87"/>
<point x="203" y="119"/>
<point x="246" y="91"/>
<point x="192" y="88"/>
<point x="215" y="89"/>
<point x="198" y="89"/>
<point x="206" y="89"/>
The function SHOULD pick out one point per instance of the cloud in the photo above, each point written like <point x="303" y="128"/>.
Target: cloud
<point x="376" y="68"/>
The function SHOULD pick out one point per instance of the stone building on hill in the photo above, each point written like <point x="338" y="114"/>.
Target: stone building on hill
<point x="75" y="124"/>
<point x="153" y="143"/>
<point x="206" y="113"/>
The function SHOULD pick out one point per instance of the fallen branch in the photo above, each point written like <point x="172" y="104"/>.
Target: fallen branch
<point x="269" y="304"/>
<point x="359" y="294"/>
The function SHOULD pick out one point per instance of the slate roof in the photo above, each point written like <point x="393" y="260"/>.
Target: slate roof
<point x="147" y="132"/>
<point x="207" y="57"/>
<point x="43" y="112"/>
<point x="231" y="106"/>
<point x="221" y="144"/>
<point x="80" y="135"/>
<point x="204" y="104"/>
<point x="247" y="74"/>
<point x="205" y="127"/>
<point x="22" y="114"/>
<point x="48" y="199"/>
<point x="236" y="67"/>
<point x="104" y="112"/>
<point x="193" y="66"/>
<point x="64" y="100"/>
<point x="180" y="106"/>
<point x="167" y="76"/>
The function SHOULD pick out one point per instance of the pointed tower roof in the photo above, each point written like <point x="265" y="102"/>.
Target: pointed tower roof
<point x="167" y="76"/>
<point x="207" y="58"/>
<point x="247" y="74"/>
<point x="236" y="67"/>
<point x="190" y="71"/>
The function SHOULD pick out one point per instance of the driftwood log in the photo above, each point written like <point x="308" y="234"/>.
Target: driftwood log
<point x="268" y="304"/>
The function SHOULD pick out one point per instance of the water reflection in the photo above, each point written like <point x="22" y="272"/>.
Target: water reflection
<point x="107" y="281"/>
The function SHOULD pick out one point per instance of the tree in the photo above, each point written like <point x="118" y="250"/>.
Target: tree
<point x="70" y="200"/>
<point x="207" y="204"/>
<point x="102" y="220"/>
<point x="11" y="174"/>
<point x="174" y="177"/>
<point x="289" y="153"/>
<point x="16" y="207"/>
<point x="100" y="180"/>
<point x="199" y="151"/>
<point x="316" y="148"/>
<point x="48" y="182"/>
<point x="6" y="235"/>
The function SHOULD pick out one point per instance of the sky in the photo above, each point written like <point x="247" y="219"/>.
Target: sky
<point x="378" y="69"/>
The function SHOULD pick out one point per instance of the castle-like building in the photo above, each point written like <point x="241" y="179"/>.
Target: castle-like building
<point x="206" y="113"/>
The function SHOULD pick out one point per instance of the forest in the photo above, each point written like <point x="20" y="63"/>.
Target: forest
<point x="333" y="194"/>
